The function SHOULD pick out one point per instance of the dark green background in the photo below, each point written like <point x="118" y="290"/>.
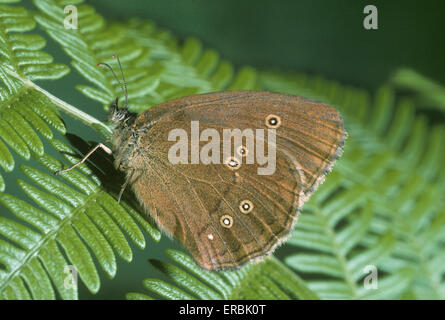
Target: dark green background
<point x="311" y="36"/>
<point x="317" y="36"/>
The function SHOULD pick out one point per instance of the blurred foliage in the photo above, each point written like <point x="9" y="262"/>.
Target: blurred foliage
<point x="382" y="205"/>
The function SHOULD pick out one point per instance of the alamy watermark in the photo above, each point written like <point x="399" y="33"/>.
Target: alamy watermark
<point x="234" y="148"/>
<point x="70" y="280"/>
<point x="370" y="22"/>
<point x="70" y="21"/>
<point x="370" y="282"/>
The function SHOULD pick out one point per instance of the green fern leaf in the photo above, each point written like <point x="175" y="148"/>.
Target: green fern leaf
<point x="267" y="280"/>
<point x="23" y="112"/>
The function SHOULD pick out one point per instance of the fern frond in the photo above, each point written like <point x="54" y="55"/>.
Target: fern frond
<point x="428" y="92"/>
<point x="75" y="224"/>
<point x="156" y="67"/>
<point x="267" y="280"/>
<point x="97" y="43"/>
<point x="77" y="45"/>
<point x="24" y="112"/>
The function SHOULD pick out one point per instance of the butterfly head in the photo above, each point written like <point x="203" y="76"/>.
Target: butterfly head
<point x="118" y="116"/>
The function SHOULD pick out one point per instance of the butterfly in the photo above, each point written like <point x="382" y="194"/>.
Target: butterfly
<point x="223" y="211"/>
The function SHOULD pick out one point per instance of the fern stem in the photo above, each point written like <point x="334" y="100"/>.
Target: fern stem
<point x="294" y="278"/>
<point x="62" y="105"/>
<point x="338" y="254"/>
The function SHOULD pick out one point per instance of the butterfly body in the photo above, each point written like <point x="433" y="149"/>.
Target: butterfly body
<point x="226" y="213"/>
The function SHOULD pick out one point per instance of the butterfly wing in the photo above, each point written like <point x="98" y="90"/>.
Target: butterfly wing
<point x="226" y="216"/>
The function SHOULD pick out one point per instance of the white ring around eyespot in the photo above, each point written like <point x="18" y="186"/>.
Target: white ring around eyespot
<point x="243" y="203"/>
<point x="226" y="221"/>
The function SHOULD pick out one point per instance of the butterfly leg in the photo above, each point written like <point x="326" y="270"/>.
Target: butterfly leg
<point x="122" y="189"/>
<point x="100" y="145"/>
<point x="127" y="180"/>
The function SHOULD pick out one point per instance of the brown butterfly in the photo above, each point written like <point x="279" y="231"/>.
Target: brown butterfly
<point x="227" y="214"/>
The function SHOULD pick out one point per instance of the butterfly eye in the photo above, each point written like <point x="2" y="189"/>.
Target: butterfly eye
<point x="242" y="151"/>
<point x="246" y="206"/>
<point x="273" y="121"/>
<point x="226" y="221"/>
<point x="233" y="163"/>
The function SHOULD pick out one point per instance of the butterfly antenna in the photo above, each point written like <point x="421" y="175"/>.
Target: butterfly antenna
<point x="115" y="77"/>
<point x="123" y="79"/>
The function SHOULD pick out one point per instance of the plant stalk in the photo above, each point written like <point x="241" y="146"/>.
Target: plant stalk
<point x="62" y="105"/>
